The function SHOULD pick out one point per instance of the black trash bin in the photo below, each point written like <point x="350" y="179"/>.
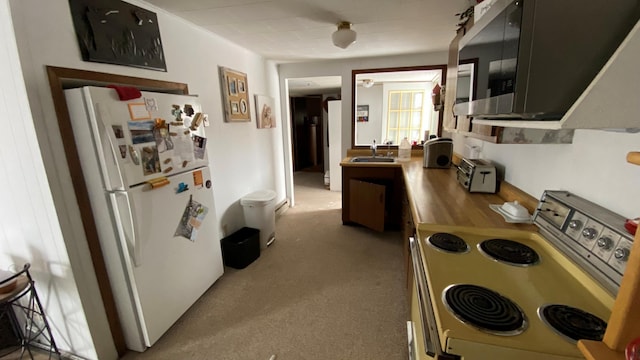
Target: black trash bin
<point x="241" y="248"/>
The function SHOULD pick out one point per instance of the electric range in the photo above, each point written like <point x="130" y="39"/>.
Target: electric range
<point x="488" y="293"/>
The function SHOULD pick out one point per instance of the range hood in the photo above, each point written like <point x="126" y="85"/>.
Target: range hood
<point x="609" y="102"/>
<point x="554" y="85"/>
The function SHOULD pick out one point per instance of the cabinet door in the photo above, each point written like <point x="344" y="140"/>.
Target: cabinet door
<point x="367" y="204"/>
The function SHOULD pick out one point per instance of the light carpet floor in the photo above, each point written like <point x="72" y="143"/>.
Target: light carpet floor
<point x="321" y="291"/>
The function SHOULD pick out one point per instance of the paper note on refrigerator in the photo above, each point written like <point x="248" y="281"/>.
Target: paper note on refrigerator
<point x="192" y="217"/>
<point x="183" y="144"/>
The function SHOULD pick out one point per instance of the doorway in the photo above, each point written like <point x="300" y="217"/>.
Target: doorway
<point x="308" y="122"/>
<point x="307" y="135"/>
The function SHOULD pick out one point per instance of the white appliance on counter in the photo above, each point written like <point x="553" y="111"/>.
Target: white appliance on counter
<point x="151" y="195"/>
<point x="492" y="293"/>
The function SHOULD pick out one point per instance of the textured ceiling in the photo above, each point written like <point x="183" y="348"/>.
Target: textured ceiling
<point x="298" y="30"/>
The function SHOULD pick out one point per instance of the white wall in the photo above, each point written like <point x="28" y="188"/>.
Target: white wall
<point x="593" y="167"/>
<point x="243" y="158"/>
<point x="370" y="130"/>
<point x="30" y="228"/>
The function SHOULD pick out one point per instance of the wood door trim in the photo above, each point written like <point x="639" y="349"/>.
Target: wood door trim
<point x="65" y="78"/>
<point x="443" y="80"/>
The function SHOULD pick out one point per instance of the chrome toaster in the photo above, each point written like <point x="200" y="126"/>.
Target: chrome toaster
<point x="477" y="175"/>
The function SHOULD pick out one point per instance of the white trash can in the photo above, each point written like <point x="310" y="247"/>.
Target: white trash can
<point x="259" y="213"/>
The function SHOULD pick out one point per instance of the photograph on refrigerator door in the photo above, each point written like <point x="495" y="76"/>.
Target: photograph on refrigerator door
<point x="117" y="131"/>
<point x="150" y="160"/>
<point x="141" y="131"/>
<point x="123" y="151"/>
<point x="199" y="146"/>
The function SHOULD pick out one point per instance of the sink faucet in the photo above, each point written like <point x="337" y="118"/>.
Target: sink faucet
<point x="373" y="148"/>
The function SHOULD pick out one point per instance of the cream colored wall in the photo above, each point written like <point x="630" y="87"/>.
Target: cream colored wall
<point x="243" y="158"/>
<point x="593" y="167"/>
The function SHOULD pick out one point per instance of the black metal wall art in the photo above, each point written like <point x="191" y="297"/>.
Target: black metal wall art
<point x="116" y="32"/>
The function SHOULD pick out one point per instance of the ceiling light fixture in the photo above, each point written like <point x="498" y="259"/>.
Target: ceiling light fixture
<point x="344" y="36"/>
<point x="367" y="83"/>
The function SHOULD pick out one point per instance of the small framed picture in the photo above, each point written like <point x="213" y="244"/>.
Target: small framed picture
<point x="138" y="111"/>
<point x="241" y="87"/>
<point x="243" y="106"/>
<point x="363" y="113"/>
<point x="235" y="107"/>
<point x="264" y="109"/>
<point x="232" y="87"/>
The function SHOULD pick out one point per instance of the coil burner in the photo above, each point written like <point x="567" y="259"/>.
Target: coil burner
<point x="509" y="252"/>
<point x="448" y="242"/>
<point x="572" y="323"/>
<point x="484" y="309"/>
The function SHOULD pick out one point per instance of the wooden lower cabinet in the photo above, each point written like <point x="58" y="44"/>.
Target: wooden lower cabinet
<point x="367" y="201"/>
<point x="372" y="197"/>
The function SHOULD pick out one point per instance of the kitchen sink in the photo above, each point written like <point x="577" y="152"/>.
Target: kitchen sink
<point x="369" y="159"/>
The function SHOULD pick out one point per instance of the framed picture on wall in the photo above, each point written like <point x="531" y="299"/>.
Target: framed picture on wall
<point x="235" y="95"/>
<point x="116" y="32"/>
<point x="363" y="113"/>
<point x="265" y="117"/>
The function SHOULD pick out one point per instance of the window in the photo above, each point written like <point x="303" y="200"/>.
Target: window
<point x="405" y="115"/>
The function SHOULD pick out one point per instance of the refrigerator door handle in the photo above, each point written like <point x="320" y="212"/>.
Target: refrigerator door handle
<point x="130" y="238"/>
<point x="104" y="132"/>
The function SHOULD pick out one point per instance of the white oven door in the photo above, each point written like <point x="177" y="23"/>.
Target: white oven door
<point x="411" y="339"/>
<point x="415" y="330"/>
<point x="424" y="342"/>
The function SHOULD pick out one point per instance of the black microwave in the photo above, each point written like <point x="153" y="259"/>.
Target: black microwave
<point x="532" y="59"/>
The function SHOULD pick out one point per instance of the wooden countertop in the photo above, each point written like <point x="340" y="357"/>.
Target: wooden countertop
<point x="436" y="197"/>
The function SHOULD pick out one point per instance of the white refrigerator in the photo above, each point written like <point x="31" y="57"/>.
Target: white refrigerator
<point x="145" y="166"/>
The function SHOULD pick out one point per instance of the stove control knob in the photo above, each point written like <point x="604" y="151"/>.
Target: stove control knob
<point x="621" y="254"/>
<point x="604" y="243"/>
<point x="575" y="224"/>
<point x="589" y="233"/>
